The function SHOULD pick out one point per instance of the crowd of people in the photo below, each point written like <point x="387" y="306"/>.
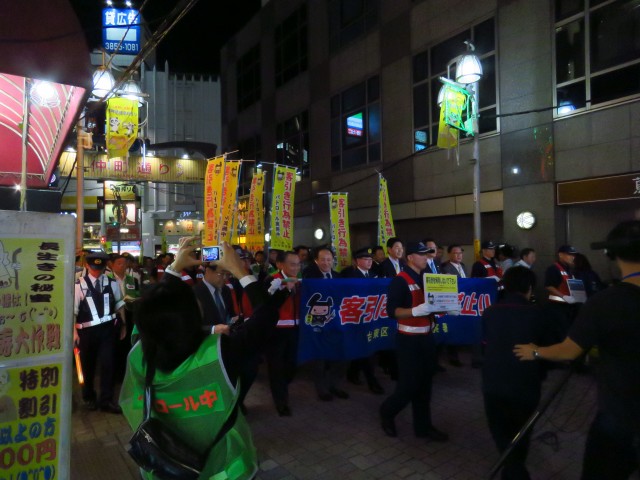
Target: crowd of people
<point x="249" y="304"/>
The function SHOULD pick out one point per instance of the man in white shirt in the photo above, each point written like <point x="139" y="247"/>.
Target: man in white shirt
<point x="527" y="257"/>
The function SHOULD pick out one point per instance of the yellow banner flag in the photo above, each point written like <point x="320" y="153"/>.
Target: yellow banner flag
<point x="229" y="198"/>
<point x="340" y="237"/>
<point x="122" y="126"/>
<point x="284" y="185"/>
<point x="212" y="197"/>
<point x="255" y="216"/>
<point x="450" y="114"/>
<point x="386" y="230"/>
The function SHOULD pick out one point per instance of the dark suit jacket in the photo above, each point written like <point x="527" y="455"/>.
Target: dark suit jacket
<point x="312" y="271"/>
<point x="388" y="270"/>
<point x="449" y="269"/>
<point x="354" y="272"/>
<point x="210" y="313"/>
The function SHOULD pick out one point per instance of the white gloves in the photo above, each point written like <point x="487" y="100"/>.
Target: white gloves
<point x="568" y="299"/>
<point x="422" y="310"/>
<point x="275" y="286"/>
<point x="494" y="277"/>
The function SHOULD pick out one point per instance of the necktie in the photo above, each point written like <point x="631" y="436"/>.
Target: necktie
<point x="98" y="286"/>
<point x="433" y="266"/>
<point x="366" y="275"/>
<point x="459" y="267"/>
<point x="221" y="308"/>
<point x="327" y="275"/>
<point x="396" y="265"/>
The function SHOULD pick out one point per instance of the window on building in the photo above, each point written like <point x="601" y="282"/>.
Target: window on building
<point x="597" y="59"/>
<point x="350" y="20"/>
<point x="291" y="46"/>
<point x="433" y="63"/>
<point x="248" y="149"/>
<point x="355" y="126"/>
<point x="292" y="148"/>
<point x="248" y="72"/>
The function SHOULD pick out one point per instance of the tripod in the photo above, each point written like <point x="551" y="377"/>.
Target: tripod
<point x="542" y="407"/>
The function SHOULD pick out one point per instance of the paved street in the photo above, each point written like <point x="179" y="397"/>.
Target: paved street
<point x="343" y="439"/>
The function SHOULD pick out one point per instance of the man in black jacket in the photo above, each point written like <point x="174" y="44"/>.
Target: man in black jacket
<point x="326" y="373"/>
<point x="394" y="264"/>
<point x="511" y="389"/>
<point x="215" y="300"/>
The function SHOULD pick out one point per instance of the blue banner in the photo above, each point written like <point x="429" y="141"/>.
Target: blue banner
<point x="347" y="318"/>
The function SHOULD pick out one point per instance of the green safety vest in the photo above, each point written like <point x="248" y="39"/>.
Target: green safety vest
<point x="194" y="401"/>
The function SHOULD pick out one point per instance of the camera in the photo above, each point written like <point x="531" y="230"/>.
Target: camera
<point x="211" y="254"/>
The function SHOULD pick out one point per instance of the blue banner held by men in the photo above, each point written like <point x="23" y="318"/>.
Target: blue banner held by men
<point x="347" y="318"/>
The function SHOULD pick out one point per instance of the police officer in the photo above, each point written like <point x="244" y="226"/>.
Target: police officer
<point x="99" y="316"/>
<point x="555" y="282"/>
<point x="415" y="348"/>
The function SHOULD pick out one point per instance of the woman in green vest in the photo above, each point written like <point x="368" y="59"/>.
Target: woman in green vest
<point x="195" y="387"/>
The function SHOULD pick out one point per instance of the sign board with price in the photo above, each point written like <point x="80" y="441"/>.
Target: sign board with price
<point x="121" y="30"/>
<point x="36" y="310"/>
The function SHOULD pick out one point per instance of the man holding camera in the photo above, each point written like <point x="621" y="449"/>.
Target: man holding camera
<point x="415" y="348"/>
<point x="609" y="320"/>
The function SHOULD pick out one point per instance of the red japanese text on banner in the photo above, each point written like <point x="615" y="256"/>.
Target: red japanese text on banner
<point x="229" y="198"/>
<point x="284" y="183"/>
<point x="340" y="237"/>
<point x="212" y="196"/>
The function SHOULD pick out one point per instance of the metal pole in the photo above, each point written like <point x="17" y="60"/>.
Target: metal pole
<point x="477" y="232"/>
<point x="79" y="184"/>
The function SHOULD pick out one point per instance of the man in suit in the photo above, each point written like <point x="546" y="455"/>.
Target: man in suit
<point x="363" y="259"/>
<point x="454" y="266"/>
<point x="433" y="264"/>
<point x="394" y="264"/>
<point x="326" y="373"/>
<point x="378" y="258"/>
<point x="215" y="300"/>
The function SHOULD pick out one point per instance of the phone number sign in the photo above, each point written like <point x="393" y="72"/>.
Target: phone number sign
<point x="121" y="30"/>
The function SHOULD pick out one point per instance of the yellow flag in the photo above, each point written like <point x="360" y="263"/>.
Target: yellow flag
<point x="284" y="185"/>
<point x="455" y="103"/>
<point x="122" y="126"/>
<point x="212" y="196"/>
<point x="340" y="237"/>
<point x="386" y="230"/>
<point x="255" y="216"/>
<point x="229" y="198"/>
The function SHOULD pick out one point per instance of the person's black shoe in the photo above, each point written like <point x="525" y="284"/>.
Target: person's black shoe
<point x="436" y="435"/>
<point x="111" y="408"/>
<point x="376" y="388"/>
<point x="454" y="362"/>
<point x="354" y="379"/>
<point x="284" y="411"/>
<point x="336" y="392"/>
<point x="325" y="397"/>
<point x="90" y="405"/>
<point x="388" y="426"/>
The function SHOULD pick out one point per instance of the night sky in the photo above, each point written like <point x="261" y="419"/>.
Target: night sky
<point x="193" y="45"/>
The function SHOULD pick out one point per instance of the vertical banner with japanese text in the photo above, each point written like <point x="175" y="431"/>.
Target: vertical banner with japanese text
<point x="255" y="217"/>
<point x="212" y="196"/>
<point x="36" y="273"/>
<point x="122" y="126"/>
<point x="450" y="115"/>
<point x="229" y="198"/>
<point x="386" y="230"/>
<point x="340" y="237"/>
<point x="284" y="184"/>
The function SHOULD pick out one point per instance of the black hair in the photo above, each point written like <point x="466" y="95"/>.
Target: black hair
<point x="170" y="323"/>
<point x="429" y="239"/>
<point x="392" y="241"/>
<point x="526" y="251"/>
<point x="454" y="245"/>
<point x="300" y="247"/>
<point x="376" y="248"/>
<point x="317" y="250"/>
<point x="519" y="279"/>
<point x="283" y="254"/>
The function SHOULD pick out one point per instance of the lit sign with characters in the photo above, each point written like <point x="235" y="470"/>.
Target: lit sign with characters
<point x="355" y="125"/>
<point x="121" y="30"/>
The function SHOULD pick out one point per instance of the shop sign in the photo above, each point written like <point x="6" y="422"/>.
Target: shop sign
<point x="601" y="189"/>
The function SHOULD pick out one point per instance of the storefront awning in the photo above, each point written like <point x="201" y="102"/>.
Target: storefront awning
<point x="40" y="40"/>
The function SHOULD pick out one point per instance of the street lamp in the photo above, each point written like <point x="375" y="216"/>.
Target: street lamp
<point x="468" y="75"/>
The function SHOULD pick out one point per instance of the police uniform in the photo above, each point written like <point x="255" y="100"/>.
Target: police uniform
<point x="556" y="276"/>
<point x="95" y="308"/>
<point x="416" y="354"/>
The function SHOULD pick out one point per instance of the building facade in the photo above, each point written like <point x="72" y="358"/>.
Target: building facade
<point x="559" y="102"/>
